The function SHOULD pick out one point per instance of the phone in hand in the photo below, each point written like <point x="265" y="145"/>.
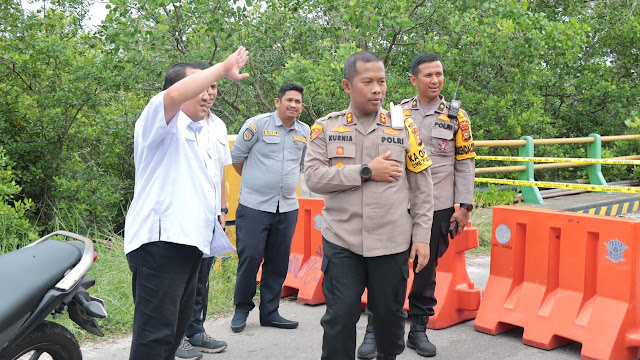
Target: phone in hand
<point x="453" y="229"/>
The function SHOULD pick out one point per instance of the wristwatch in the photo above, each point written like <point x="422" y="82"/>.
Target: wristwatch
<point x="365" y="172"/>
<point x="224" y="210"/>
<point x="467" y="207"/>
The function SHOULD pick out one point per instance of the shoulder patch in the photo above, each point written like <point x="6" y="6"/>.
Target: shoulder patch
<point x="247" y="135"/>
<point x="417" y="157"/>
<point x="253" y="127"/>
<point x="465" y="147"/>
<point x="315" y="131"/>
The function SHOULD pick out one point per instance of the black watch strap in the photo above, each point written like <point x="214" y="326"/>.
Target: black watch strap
<point x="224" y="210"/>
<point x="467" y="207"/>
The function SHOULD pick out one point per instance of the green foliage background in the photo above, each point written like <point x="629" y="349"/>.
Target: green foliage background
<point x="71" y="93"/>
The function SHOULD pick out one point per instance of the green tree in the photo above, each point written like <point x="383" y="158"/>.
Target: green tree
<point x="72" y="94"/>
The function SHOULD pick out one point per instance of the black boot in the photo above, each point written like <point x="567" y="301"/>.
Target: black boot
<point x="367" y="349"/>
<point x="386" y="357"/>
<point x="418" y="339"/>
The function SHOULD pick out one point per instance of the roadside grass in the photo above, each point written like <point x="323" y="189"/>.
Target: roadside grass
<point x="482" y="219"/>
<point x="113" y="285"/>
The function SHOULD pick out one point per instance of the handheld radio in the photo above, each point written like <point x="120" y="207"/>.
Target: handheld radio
<point x="454" y="105"/>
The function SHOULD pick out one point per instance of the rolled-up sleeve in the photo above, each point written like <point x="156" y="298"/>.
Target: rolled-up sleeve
<point x="421" y="202"/>
<point x="320" y="177"/>
<point x="245" y="140"/>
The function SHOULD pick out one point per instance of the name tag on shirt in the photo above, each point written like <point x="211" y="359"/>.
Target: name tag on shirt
<point x="271" y="132"/>
<point x="300" y="138"/>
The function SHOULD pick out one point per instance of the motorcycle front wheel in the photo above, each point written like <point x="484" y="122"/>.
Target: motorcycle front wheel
<point x="47" y="338"/>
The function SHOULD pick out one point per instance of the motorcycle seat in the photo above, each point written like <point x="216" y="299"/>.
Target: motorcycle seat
<point x="28" y="273"/>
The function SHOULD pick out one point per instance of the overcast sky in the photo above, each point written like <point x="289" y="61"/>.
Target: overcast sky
<point x="96" y="14"/>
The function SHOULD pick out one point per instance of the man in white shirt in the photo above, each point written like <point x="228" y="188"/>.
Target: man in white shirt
<point x="171" y="220"/>
<point x="215" y="141"/>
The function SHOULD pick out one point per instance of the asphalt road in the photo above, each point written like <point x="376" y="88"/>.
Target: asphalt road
<point x="256" y="342"/>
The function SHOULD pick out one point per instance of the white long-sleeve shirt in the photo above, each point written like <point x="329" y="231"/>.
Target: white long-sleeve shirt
<point x="173" y="192"/>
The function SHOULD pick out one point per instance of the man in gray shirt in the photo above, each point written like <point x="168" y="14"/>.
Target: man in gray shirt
<point x="268" y="153"/>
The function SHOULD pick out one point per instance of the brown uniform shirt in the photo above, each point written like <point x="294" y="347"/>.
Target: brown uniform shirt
<point x="369" y="218"/>
<point x="453" y="180"/>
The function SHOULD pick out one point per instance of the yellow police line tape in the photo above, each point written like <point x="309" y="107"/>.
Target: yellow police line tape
<point x="560" y="160"/>
<point x="556" y="185"/>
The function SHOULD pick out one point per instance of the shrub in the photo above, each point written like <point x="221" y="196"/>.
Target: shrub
<point x="15" y="230"/>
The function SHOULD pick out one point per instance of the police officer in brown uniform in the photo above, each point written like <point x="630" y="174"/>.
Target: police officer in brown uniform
<point x="368" y="172"/>
<point x="450" y="145"/>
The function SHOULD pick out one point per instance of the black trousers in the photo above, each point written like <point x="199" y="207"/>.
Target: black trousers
<point x="262" y="235"/>
<point x="421" y="298"/>
<point x="346" y="274"/>
<point x="164" y="287"/>
<point x="196" y="326"/>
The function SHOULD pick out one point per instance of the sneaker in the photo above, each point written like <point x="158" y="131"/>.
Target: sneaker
<point x="186" y="351"/>
<point x="206" y="343"/>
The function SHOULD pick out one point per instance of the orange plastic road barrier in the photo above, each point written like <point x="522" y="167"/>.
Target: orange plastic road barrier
<point x="305" y="261"/>
<point x="458" y="299"/>
<point x="565" y="276"/>
<point x="304" y="275"/>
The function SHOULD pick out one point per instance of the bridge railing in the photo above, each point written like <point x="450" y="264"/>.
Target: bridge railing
<point x="526" y="158"/>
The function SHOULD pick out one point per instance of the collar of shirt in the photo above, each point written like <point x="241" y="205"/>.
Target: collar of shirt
<point x="200" y="131"/>
<point x="442" y="105"/>
<point x="278" y="122"/>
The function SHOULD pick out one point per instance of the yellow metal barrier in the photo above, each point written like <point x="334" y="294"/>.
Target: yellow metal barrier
<point x="232" y="185"/>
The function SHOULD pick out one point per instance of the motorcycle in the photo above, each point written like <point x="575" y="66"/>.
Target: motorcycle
<point x="47" y="277"/>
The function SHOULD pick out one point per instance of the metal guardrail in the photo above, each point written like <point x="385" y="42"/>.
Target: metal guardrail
<point x="530" y="191"/>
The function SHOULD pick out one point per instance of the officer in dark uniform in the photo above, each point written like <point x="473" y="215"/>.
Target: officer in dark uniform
<point x="368" y="172"/>
<point x="449" y="142"/>
<point x="269" y="154"/>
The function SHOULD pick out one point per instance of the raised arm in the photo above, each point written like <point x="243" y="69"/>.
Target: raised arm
<point x="195" y="84"/>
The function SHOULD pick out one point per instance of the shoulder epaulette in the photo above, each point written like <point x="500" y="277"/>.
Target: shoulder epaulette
<point x="302" y="122"/>
<point x="261" y="117"/>
<point x="405" y="101"/>
<point x="332" y="115"/>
